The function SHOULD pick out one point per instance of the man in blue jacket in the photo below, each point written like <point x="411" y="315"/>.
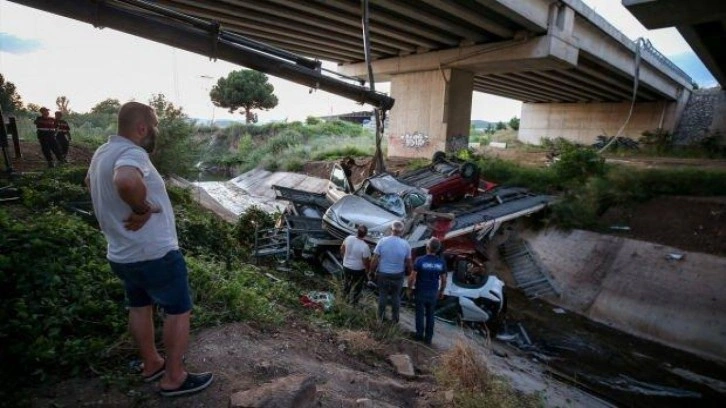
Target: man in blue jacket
<point x="429" y="280"/>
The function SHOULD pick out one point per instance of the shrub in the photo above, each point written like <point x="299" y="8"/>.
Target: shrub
<point x="252" y="219"/>
<point x="577" y="164"/>
<point x="713" y="145"/>
<point x="60" y="306"/>
<point x="660" y="140"/>
<point x="59" y="186"/>
<point x="312" y="120"/>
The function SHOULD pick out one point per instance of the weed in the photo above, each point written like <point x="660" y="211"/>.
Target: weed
<point x="340" y="152"/>
<point x="465" y="372"/>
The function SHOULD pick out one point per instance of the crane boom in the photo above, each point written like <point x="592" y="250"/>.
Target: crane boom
<point x="148" y="20"/>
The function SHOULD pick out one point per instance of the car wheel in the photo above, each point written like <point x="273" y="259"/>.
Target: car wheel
<point x="438" y="157"/>
<point x="468" y="170"/>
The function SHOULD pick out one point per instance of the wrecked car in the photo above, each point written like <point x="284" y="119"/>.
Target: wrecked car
<point x="377" y="203"/>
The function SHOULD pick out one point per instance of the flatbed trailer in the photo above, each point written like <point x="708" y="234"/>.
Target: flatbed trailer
<point x="481" y="215"/>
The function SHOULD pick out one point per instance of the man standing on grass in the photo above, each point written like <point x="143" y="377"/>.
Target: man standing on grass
<point x="356" y="260"/>
<point x="391" y="261"/>
<point x="45" y="127"/>
<point x="135" y="214"/>
<point x="429" y="280"/>
<point x="62" y="134"/>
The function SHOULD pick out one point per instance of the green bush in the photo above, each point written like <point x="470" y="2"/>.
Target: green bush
<point x="60" y="306"/>
<point x="202" y="233"/>
<point x="252" y="219"/>
<point x="659" y="140"/>
<point x="58" y="186"/>
<point x="713" y="145"/>
<point x="577" y="164"/>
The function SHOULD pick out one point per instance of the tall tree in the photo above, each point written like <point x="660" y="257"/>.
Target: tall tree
<point x="244" y="89"/>
<point x="10" y="100"/>
<point x="107" y="106"/>
<point x="514" y="123"/>
<point x="176" y="150"/>
<point x="62" y="103"/>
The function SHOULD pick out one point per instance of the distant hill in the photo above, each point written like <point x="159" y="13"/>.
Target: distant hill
<point x="481" y="124"/>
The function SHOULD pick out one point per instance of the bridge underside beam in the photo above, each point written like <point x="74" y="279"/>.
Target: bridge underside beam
<point x="542" y="52"/>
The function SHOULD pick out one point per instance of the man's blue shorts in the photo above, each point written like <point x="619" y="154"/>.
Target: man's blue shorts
<point x="164" y="281"/>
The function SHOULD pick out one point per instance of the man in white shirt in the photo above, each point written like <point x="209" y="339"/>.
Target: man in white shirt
<point x="136" y="217"/>
<point x="356" y="260"/>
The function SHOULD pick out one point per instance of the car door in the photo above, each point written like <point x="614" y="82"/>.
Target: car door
<point x="338" y="184"/>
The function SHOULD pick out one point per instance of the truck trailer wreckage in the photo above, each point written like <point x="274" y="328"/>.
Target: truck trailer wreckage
<point x="318" y="222"/>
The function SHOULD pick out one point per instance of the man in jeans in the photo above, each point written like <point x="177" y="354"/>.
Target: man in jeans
<point x="429" y="279"/>
<point x="135" y="214"/>
<point x="356" y="259"/>
<point x="392" y="261"/>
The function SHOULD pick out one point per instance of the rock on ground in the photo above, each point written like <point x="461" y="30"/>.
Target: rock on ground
<point x="294" y="391"/>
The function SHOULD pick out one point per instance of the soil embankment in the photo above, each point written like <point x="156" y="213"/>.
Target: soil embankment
<point x="652" y="291"/>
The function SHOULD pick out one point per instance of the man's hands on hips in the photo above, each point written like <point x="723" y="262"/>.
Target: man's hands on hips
<point x="136" y="221"/>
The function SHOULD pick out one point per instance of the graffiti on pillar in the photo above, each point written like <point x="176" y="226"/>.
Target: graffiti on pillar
<point x="415" y="140"/>
<point x="457" y="142"/>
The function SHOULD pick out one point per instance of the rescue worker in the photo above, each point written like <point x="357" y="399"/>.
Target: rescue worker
<point x="429" y="280"/>
<point x="62" y="134"/>
<point x="45" y="126"/>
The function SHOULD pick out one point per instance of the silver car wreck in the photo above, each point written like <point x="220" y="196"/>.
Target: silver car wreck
<point x="383" y="199"/>
<point x="377" y="203"/>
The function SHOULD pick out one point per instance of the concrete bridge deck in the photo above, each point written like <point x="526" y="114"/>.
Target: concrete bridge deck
<point x="435" y="53"/>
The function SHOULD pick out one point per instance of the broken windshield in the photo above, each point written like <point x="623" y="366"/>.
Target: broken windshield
<point x="389" y="202"/>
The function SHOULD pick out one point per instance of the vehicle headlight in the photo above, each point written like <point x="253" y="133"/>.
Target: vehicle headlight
<point x="331" y="215"/>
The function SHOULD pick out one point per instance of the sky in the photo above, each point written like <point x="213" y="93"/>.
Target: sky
<point x="47" y="56"/>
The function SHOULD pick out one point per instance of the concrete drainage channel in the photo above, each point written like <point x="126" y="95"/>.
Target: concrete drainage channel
<point x="614" y="366"/>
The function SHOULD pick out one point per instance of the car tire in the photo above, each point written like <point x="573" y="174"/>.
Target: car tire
<point x="468" y="170"/>
<point x="438" y="157"/>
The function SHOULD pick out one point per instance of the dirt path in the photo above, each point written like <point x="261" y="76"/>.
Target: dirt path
<point x="243" y="357"/>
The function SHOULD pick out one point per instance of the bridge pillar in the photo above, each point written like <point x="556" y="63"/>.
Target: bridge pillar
<point x="584" y="122"/>
<point x="432" y="112"/>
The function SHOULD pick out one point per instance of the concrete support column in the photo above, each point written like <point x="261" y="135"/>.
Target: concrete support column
<point x="432" y="112"/>
<point x="582" y="122"/>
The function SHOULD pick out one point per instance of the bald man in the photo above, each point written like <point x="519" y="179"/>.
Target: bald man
<point x="135" y="214"/>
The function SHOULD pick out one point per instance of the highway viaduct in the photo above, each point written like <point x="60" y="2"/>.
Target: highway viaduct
<point x="574" y="71"/>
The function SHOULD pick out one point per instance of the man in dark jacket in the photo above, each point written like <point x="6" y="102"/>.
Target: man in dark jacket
<point x="62" y="133"/>
<point x="429" y="279"/>
<point x="45" y="126"/>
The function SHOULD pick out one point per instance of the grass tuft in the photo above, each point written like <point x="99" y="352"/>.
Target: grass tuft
<point x="465" y="371"/>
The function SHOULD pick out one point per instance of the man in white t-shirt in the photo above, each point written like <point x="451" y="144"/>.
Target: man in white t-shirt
<point x="136" y="217"/>
<point x="356" y="260"/>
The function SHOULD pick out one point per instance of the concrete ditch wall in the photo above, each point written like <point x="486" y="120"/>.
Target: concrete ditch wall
<point x="636" y="287"/>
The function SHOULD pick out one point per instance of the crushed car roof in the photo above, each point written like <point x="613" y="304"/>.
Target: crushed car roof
<point x="387" y="184"/>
